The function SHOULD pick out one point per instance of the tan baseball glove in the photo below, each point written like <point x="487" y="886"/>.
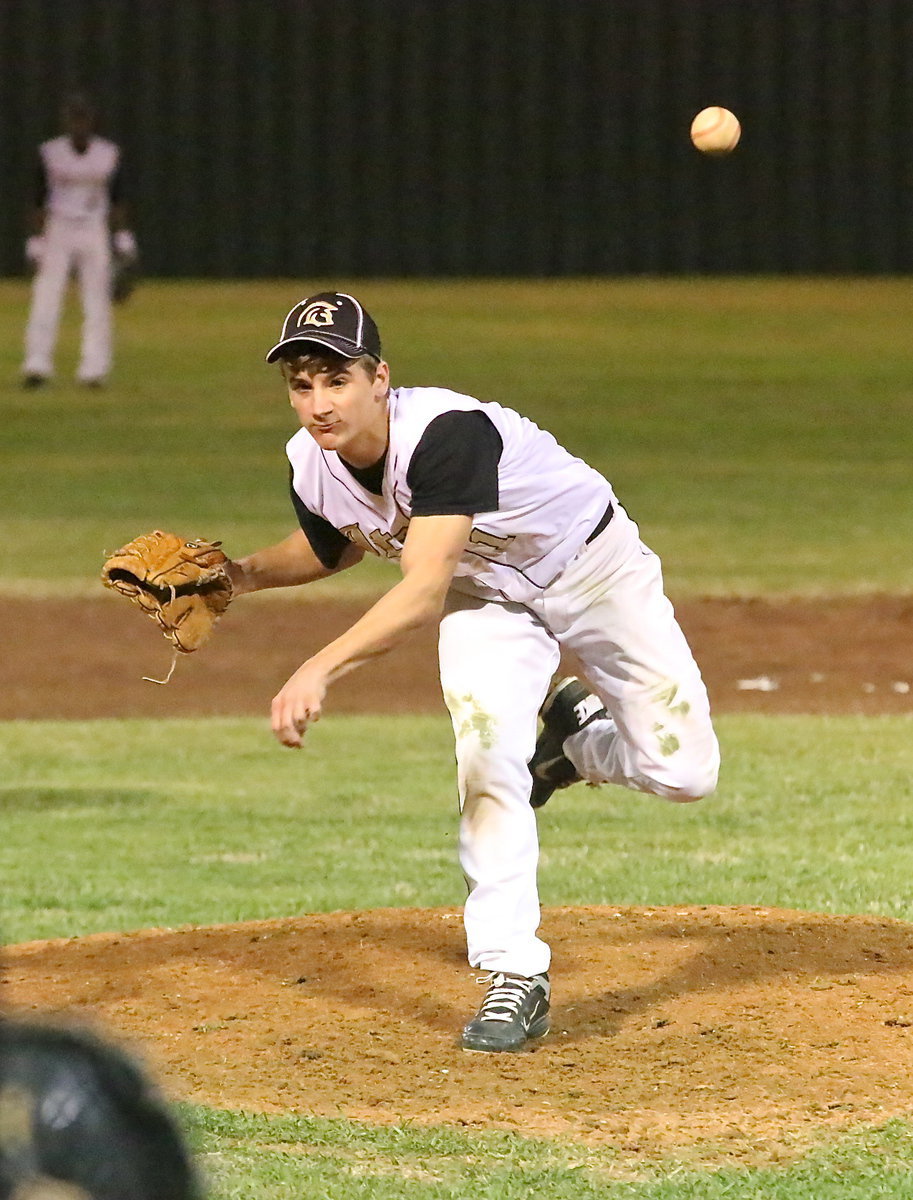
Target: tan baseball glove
<point x="182" y="584"/>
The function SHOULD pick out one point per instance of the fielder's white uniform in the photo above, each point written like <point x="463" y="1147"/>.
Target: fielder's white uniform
<point x="76" y="239"/>
<point x="529" y="583"/>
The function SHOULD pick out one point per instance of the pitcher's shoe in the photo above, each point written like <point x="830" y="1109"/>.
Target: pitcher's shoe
<point x="569" y="707"/>
<point x="513" y="1013"/>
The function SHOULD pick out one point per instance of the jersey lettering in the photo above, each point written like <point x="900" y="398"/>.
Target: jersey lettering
<point x="378" y="541"/>
<point x="390" y="545"/>
<point x="357" y="538"/>
<point x="492" y="541"/>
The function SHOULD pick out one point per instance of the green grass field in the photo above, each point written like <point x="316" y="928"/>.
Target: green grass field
<point x="759" y="430"/>
<point x="812" y="813"/>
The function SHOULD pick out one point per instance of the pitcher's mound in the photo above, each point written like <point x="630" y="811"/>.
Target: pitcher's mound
<point x="714" y="1031"/>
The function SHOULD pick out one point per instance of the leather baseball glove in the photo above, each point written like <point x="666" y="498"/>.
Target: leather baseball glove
<point x="181" y="584"/>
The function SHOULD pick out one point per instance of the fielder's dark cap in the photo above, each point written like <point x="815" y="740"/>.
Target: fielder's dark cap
<point x="333" y="320"/>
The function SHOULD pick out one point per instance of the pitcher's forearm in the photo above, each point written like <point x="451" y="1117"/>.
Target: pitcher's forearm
<point x="430" y="555"/>
<point x="409" y="605"/>
<point x="287" y="564"/>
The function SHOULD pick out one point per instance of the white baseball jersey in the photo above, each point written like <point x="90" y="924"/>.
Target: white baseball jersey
<point x="536" y="542"/>
<point x="548" y="501"/>
<point x="78" y="185"/>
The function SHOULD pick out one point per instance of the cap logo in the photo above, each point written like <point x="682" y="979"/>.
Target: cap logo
<point x="318" y="313"/>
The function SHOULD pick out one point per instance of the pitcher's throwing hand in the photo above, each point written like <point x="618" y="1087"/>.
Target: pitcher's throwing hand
<point x="298" y="704"/>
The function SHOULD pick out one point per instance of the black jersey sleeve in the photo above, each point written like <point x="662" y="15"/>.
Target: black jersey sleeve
<point x="326" y="540"/>
<point x="454" y="467"/>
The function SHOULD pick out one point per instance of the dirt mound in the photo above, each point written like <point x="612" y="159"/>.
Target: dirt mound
<point x="718" y="1032"/>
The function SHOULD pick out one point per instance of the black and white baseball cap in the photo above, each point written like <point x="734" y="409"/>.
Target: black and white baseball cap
<point x="334" y="320"/>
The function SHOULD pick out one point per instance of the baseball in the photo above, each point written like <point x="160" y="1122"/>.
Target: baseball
<point x="715" y="131"/>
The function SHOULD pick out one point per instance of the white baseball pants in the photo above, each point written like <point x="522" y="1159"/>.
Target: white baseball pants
<point x="71" y="246"/>
<point x="497" y="661"/>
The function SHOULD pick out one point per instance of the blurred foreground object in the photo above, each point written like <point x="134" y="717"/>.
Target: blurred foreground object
<point x="79" y="1120"/>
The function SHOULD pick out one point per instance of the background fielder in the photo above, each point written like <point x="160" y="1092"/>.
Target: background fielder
<point x="518" y="549"/>
<point x="78" y="206"/>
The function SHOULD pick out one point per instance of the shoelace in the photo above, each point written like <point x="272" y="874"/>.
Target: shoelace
<point x="504" y="997"/>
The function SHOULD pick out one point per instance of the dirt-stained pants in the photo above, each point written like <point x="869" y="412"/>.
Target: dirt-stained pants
<point x="497" y="661"/>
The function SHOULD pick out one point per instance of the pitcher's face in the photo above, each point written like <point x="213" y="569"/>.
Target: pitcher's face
<point x="344" y="409"/>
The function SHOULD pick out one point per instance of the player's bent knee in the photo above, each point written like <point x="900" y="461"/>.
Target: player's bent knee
<point x="687" y="785"/>
<point x="698" y="785"/>
<point x="687" y="795"/>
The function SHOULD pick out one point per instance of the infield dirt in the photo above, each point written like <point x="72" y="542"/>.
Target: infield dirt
<point x="86" y="658"/>
<point x="711" y="1033"/>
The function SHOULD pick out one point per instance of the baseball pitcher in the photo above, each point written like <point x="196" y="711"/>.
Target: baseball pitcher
<point x="516" y="549"/>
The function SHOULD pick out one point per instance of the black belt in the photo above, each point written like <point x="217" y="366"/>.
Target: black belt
<point x="603" y="521"/>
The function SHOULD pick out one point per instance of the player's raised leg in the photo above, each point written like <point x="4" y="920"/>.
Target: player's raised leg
<point x="656" y="735"/>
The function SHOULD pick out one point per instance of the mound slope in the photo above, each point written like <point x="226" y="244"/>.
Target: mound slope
<point x="736" y="1031"/>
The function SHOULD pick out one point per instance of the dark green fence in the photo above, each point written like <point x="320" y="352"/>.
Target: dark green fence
<point x="529" y="137"/>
